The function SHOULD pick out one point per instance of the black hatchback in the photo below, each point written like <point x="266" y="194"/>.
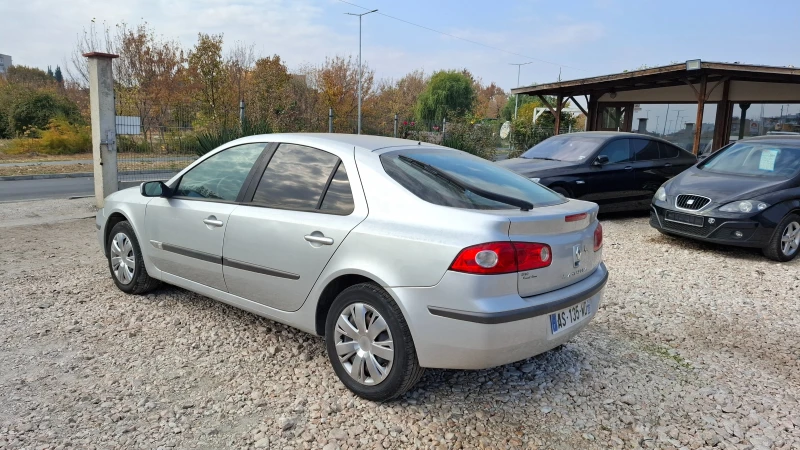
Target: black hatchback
<point x="747" y="194"/>
<point x="615" y="170"/>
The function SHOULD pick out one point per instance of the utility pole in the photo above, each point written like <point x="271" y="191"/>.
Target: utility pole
<point x="516" y="96"/>
<point x="359" y="62"/>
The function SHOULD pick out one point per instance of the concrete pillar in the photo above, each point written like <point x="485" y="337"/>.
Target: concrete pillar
<point x="104" y="133"/>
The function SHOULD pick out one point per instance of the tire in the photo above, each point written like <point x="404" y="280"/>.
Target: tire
<point x="777" y="249"/>
<point x="394" y="376"/>
<point x="562" y="191"/>
<point x="135" y="281"/>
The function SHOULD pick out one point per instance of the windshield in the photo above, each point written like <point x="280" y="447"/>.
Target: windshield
<point x="755" y="159"/>
<point x="573" y="148"/>
<point x="466" y="170"/>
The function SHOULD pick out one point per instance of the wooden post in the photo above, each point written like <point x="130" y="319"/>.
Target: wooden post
<point x="698" y="124"/>
<point x="721" y="125"/>
<point x="559" y="101"/>
<point x="591" y="119"/>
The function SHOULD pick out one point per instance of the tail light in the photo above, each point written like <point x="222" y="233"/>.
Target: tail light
<point x="502" y="257"/>
<point x="598" y="237"/>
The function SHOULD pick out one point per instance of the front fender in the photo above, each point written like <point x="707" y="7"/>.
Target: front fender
<point x="129" y="204"/>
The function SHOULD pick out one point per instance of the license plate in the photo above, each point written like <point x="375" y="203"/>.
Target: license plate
<point x="568" y="317"/>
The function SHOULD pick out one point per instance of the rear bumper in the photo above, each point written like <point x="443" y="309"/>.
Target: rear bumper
<point x="722" y="231"/>
<point x="499" y="329"/>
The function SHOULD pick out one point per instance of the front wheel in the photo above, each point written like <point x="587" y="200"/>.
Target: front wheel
<point x="369" y="344"/>
<point x="562" y="191"/>
<point x="126" y="263"/>
<point x="785" y="241"/>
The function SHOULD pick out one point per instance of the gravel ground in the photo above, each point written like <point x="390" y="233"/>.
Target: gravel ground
<point x="695" y="346"/>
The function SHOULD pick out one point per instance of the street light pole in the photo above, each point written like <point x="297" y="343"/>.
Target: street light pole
<point x="516" y="97"/>
<point x="359" y="62"/>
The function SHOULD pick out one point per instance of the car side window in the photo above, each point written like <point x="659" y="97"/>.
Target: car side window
<point x="338" y="198"/>
<point x="644" y="149"/>
<point x="295" y="178"/>
<point x="221" y="176"/>
<point x="618" y="151"/>
<point x="668" y="151"/>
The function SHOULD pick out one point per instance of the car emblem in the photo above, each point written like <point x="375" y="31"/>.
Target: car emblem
<point x="690" y="202"/>
<point x="577" y="254"/>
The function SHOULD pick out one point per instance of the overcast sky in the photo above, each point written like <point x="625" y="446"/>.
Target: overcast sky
<point x="579" y="38"/>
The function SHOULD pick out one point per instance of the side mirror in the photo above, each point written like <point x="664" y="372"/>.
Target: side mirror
<point x="155" y="189"/>
<point x="601" y="160"/>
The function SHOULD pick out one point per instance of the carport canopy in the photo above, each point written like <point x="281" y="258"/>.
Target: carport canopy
<point x="610" y="99"/>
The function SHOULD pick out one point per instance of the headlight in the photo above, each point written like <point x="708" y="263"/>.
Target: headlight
<point x="661" y="194"/>
<point x="744" y="206"/>
<point x="535" y="180"/>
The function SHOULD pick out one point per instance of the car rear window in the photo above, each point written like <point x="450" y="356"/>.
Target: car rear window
<point x="467" y="170"/>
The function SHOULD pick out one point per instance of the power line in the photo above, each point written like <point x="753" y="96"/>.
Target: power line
<point x="464" y="39"/>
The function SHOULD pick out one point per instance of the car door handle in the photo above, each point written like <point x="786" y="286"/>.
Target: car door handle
<point x="212" y="221"/>
<point x="318" y="239"/>
<point x="668" y="165"/>
<point x="628" y="167"/>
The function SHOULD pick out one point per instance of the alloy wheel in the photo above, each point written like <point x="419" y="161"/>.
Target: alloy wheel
<point x="123" y="258"/>
<point x="364" y="344"/>
<point x="790" y="239"/>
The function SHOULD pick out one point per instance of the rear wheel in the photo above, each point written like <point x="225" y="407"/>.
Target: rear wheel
<point x="369" y="344"/>
<point x="126" y="263"/>
<point x="785" y="241"/>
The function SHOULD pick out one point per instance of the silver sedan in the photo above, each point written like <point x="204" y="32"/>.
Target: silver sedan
<point x="403" y="255"/>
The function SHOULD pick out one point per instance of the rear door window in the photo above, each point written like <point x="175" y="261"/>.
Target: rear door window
<point x="668" y="151"/>
<point x="645" y="149"/>
<point x="296" y="178"/>
<point x="465" y="169"/>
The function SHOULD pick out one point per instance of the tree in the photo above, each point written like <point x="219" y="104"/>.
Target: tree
<point x="59" y="77"/>
<point x="30" y="77"/>
<point x="271" y="92"/>
<point x="489" y="101"/>
<point x="337" y="84"/>
<point x="393" y="97"/>
<point x="507" y="112"/>
<point x="449" y="94"/>
<point x="207" y="72"/>
<point x="50" y="72"/>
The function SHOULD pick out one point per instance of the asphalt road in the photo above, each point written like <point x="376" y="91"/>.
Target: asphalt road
<point x="21" y="190"/>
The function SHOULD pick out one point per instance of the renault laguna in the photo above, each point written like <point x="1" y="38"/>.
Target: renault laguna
<point x="403" y="255"/>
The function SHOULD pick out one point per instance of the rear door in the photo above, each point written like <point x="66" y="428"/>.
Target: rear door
<point x="186" y="230"/>
<point x="613" y="182"/>
<point x="648" y="169"/>
<point x="296" y="216"/>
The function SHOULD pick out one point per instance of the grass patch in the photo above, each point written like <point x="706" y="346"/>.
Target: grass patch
<point x="665" y="353"/>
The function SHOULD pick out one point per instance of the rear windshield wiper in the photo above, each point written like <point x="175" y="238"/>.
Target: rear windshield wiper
<point x="521" y="204"/>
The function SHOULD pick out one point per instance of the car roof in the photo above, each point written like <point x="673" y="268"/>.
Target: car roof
<point x="607" y="135"/>
<point x="775" y="138"/>
<point x="361" y="142"/>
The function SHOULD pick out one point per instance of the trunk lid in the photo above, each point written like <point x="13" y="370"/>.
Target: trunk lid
<point x="571" y="243"/>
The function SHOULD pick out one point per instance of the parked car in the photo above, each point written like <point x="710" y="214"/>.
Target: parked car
<point x="403" y="255"/>
<point x="747" y="194"/>
<point x="615" y="170"/>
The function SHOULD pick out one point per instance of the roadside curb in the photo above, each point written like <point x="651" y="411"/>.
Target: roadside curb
<point x="46" y="176"/>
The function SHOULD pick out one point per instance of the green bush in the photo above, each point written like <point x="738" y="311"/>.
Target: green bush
<point x="37" y="109"/>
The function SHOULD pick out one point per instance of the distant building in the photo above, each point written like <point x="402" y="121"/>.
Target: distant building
<point x="5" y="63"/>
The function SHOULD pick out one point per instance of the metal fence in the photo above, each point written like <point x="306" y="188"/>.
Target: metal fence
<point x="154" y="141"/>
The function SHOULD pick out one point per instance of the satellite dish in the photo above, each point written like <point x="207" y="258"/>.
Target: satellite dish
<point x="505" y="130"/>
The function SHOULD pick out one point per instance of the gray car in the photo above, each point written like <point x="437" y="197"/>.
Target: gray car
<point x="403" y="255"/>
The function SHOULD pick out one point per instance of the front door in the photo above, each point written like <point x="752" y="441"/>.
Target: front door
<point x="302" y="209"/>
<point x="186" y="230"/>
<point x="613" y="182"/>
